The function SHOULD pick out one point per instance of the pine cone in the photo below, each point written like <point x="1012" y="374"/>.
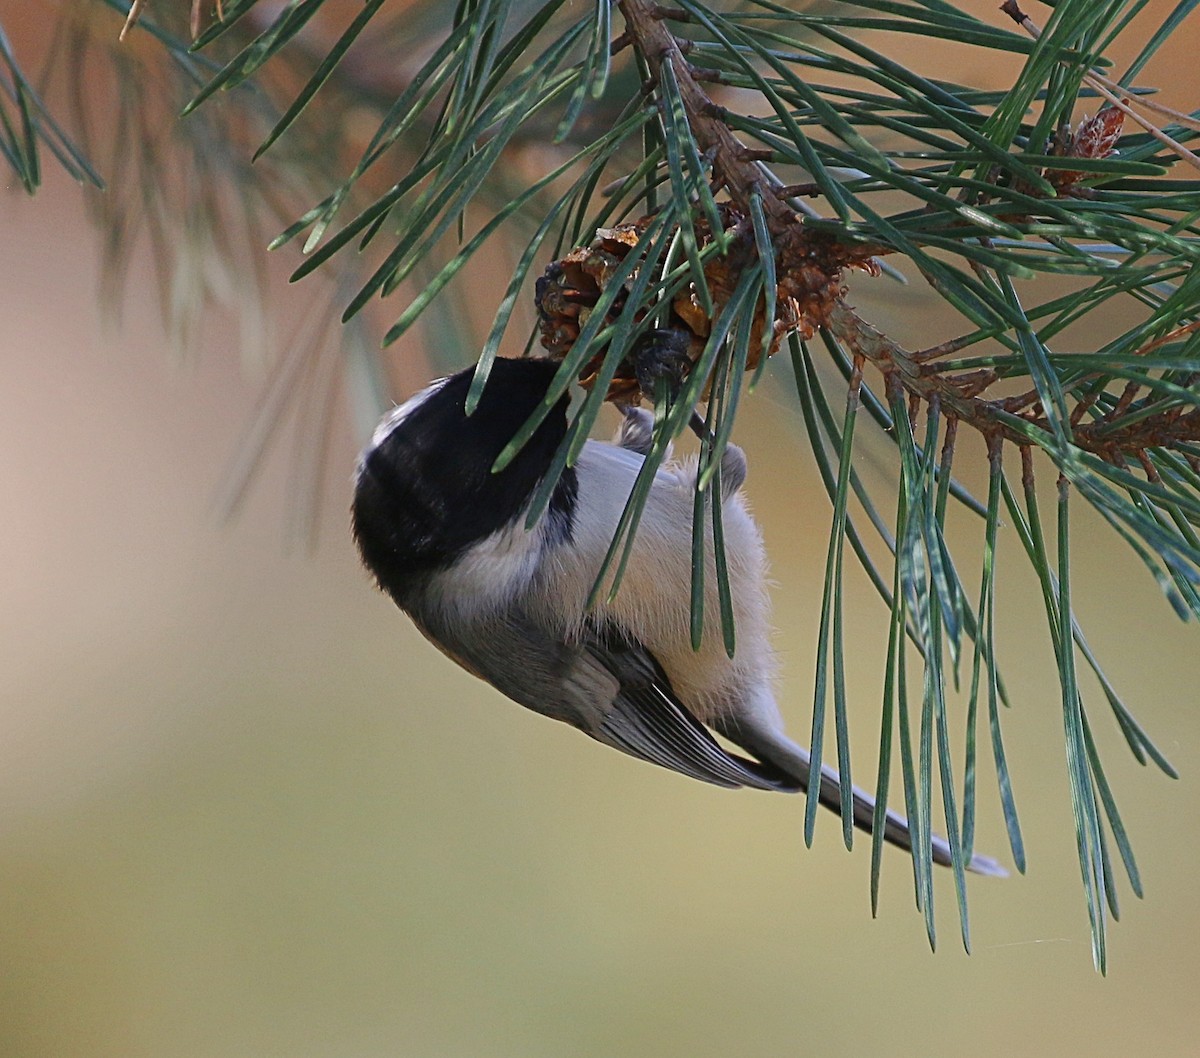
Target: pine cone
<point x="808" y="270"/>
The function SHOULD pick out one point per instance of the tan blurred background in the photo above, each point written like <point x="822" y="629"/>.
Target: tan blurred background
<point x="246" y="811"/>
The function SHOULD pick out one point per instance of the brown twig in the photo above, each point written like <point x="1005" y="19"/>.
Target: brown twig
<point x="1170" y="336"/>
<point x="1150" y="469"/>
<point x="738" y="170"/>
<point x="131" y="19"/>
<point x="935" y="352"/>
<point x="732" y="170"/>
<point x="807" y="190"/>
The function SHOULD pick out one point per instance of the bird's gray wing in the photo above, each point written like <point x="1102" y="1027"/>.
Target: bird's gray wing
<point x="647" y="720"/>
<point x="603" y="684"/>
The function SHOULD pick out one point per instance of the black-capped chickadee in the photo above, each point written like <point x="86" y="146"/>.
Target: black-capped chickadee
<point x="447" y="539"/>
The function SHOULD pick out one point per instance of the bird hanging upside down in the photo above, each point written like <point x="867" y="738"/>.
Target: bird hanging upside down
<point x="446" y="538"/>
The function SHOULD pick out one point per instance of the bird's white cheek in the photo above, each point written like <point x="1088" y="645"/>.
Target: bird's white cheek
<point x="489" y="574"/>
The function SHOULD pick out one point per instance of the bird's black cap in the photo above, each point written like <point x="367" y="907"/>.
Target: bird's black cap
<point x="426" y="491"/>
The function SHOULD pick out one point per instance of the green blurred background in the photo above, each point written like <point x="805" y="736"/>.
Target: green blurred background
<point x="245" y="810"/>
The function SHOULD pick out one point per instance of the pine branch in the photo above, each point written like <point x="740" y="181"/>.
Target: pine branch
<point x="734" y="168"/>
<point x="669" y="217"/>
<point x="29" y="124"/>
<point x="735" y="171"/>
<point x="1091" y="437"/>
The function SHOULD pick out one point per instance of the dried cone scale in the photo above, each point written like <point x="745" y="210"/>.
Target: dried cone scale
<point x="808" y="270"/>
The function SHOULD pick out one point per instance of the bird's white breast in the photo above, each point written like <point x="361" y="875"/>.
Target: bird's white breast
<point x="653" y="603"/>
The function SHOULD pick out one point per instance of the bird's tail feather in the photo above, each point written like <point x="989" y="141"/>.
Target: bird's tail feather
<point x="796" y="762"/>
<point x="895" y="828"/>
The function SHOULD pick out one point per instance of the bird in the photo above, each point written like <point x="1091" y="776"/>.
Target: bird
<point x="445" y="535"/>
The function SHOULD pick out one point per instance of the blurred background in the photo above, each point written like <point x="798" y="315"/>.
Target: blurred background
<point x="245" y="810"/>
